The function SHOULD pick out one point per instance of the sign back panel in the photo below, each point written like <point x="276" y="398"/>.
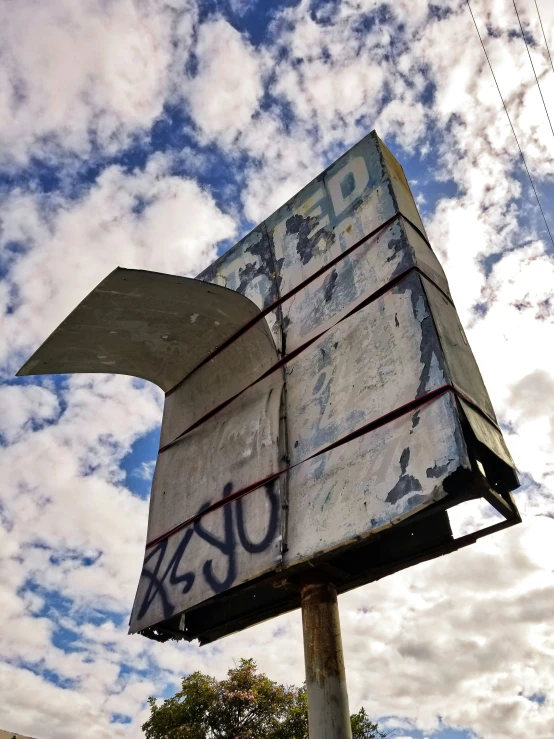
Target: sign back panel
<point x="326" y="423"/>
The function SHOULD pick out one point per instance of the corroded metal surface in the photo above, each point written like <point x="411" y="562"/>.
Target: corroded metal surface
<point x="328" y="714"/>
<point x="375" y="481"/>
<point x="368" y="327"/>
<point x="250" y="269"/>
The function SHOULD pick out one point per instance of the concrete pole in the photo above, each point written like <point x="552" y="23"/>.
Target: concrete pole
<point x="328" y="714"/>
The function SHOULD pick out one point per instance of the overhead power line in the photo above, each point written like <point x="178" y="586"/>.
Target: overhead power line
<point x="511" y="124"/>
<point x="544" y="35"/>
<point x="533" y="66"/>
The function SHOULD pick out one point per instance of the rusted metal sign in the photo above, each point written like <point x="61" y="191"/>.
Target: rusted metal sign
<point x="323" y="407"/>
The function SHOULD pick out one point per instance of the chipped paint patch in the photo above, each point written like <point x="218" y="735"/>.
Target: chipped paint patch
<point x="406" y="483"/>
<point x="420" y="309"/>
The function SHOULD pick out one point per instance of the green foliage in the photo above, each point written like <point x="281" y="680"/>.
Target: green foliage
<point x="363" y="728"/>
<point x="246" y="705"/>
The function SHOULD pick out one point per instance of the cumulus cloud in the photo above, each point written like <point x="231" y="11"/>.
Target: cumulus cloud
<point x="146" y="219"/>
<point x="146" y="470"/>
<point x="225" y="91"/>
<point x="78" y="74"/>
<point x="466" y="637"/>
<point x="25" y="407"/>
<point x="69" y="526"/>
<point x="531" y="403"/>
<point x="472" y="624"/>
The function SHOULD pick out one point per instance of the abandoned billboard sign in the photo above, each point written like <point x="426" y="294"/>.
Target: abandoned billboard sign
<point x="323" y="408"/>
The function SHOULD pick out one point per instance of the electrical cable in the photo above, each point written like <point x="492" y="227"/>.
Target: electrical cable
<point x="511" y="125"/>
<point x="533" y="66"/>
<point x="544" y="35"/>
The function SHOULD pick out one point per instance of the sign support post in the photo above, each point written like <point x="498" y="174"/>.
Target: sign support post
<point x="328" y="713"/>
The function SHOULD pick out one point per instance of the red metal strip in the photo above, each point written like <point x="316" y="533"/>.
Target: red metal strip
<point x="366" y="428"/>
<point x="476" y="408"/>
<point x="292" y="355"/>
<point x="266" y="311"/>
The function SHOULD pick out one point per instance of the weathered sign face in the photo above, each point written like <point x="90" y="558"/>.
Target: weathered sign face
<point x="323" y="407"/>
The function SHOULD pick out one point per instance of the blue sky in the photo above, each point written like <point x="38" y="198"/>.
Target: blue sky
<point x="154" y="135"/>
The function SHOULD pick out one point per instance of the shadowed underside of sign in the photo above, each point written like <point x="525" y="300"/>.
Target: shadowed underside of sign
<point x="323" y="408"/>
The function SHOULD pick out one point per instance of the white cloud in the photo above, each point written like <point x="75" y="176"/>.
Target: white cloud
<point x="224" y="93"/>
<point x="54" y="507"/>
<point x="74" y="244"/>
<point x="468" y="636"/>
<point x="533" y="396"/>
<point x="77" y="73"/>
<point x="473" y="624"/>
<point x="145" y="470"/>
<point x="24" y="406"/>
<point x="290" y="161"/>
<point x="437" y="629"/>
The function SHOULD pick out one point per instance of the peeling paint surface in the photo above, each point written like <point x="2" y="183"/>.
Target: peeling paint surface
<point x="374" y="361"/>
<point x="239" y="446"/>
<point x="257" y="381"/>
<point x="249" y="269"/>
<point x="366" y="364"/>
<point x="245" y="360"/>
<point x="374" y="480"/>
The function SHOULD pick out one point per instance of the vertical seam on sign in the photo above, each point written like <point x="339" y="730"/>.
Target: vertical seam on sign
<point x="266" y="311"/>
<point x="383" y="420"/>
<point x="284" y="463"/>
<point x="380" y="292"/>
<point x="283" y="450"/>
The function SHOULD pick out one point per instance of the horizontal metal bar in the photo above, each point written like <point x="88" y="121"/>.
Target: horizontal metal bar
<point x="365" y="429"/>
<point x="499" y="504"/>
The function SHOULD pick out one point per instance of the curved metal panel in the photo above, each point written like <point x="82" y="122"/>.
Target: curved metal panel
<point x="146" y="324"/>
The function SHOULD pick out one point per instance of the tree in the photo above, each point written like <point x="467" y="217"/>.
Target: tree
<point x="363" y="728"/>
<point x="246" y="705"/>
